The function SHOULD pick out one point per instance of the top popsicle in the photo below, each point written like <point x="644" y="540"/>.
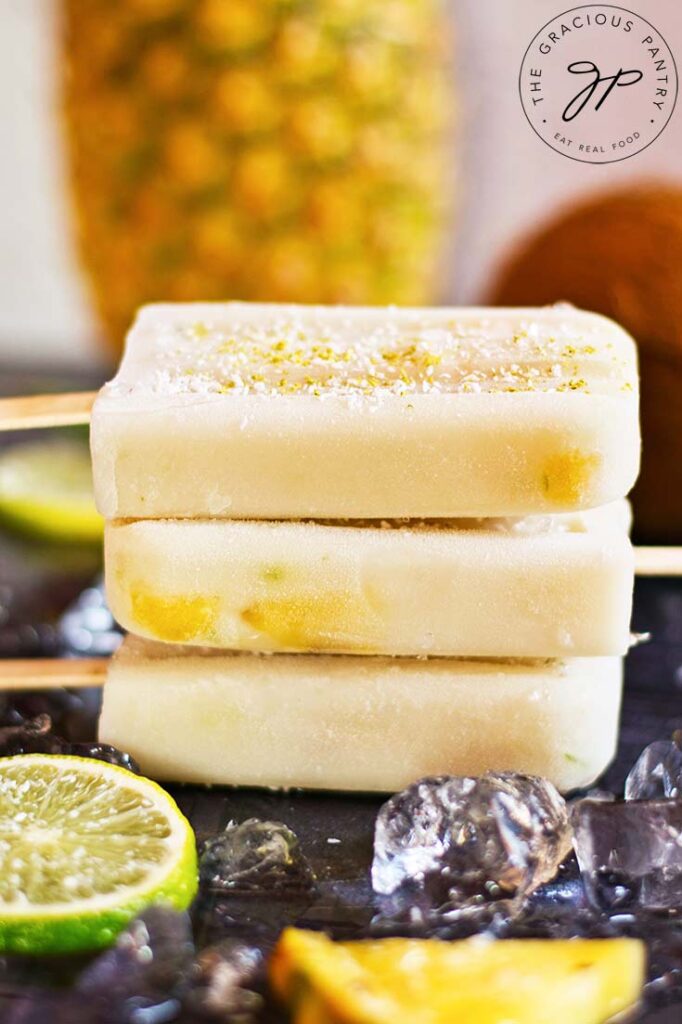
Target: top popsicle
<point x="268" y="411"/>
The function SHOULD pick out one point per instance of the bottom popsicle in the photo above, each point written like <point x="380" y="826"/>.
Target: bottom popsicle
<point x="344" y="723"/>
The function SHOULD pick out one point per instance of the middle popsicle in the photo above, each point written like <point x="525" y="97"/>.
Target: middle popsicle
<point x="543" y="586"/>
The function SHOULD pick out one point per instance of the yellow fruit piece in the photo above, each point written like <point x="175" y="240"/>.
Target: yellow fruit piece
<point x="474" y="981"/>
<point x="566" y="476"/>
<point x="310" y="134"/>
<point x="175" y="619"/>
<point x="321" y="621"/>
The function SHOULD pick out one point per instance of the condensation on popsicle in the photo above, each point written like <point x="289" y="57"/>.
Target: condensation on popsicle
<point x="235" y="411"/>
<point x="374" y="724"/>
<point x="542" y="586"/>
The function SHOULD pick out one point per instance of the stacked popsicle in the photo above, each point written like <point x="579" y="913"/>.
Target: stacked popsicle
<point x="357" y="546"/>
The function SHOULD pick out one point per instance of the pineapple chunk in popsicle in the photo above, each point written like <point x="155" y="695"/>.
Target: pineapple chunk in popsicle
<point x="241" y="410"/>
<point x="375" y="724"/>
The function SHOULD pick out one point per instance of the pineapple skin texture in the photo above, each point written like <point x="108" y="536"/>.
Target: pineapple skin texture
<point x="472" y="981"/>
<point x="282" y="150"/>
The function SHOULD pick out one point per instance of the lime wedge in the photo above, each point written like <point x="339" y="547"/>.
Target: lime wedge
<point x="46" y="490"/>
<point x="84" y="846"/>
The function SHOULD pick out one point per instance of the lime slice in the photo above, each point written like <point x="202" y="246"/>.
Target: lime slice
<point x="84" y="846"/>
<point x="46" y="490"/>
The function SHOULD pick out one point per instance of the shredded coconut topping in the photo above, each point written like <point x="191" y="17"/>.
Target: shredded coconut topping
<point x="278" y="355"/>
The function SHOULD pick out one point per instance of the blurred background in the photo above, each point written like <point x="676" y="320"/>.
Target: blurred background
<point x="361" y="151"/>
<point x="214" y="142"/>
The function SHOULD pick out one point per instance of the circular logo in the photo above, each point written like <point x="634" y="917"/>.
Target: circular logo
<point x="598" y="83"/>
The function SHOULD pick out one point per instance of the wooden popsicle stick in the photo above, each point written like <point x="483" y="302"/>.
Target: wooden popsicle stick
<point x="32" y="411"/>
<point x="658" y="561"/>
<point x="51" y="673"/>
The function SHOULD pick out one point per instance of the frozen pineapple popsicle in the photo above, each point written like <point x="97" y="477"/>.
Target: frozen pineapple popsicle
<point x="241" y="410"/>
<point x="541" y="586"/>
<point x="333" y="722"/>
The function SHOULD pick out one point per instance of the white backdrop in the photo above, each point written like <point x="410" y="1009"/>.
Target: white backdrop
<point x="509" y="179"/>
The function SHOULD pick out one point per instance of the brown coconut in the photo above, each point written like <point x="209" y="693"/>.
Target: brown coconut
<point x="620" y="253"/>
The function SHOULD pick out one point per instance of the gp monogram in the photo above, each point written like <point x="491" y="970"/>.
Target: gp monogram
<point x="598" y="83"/>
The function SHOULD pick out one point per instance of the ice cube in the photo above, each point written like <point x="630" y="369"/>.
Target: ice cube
<point x="222" y="983"/>
<point x="87" y="626"/>
<point x="150" y="962"/>
<point x="630" y="853"/>
<point x="152" y="976"/>
<point x="256" y="855"/>
<point x="657" y="772"/>
<point x="471" y="840"/>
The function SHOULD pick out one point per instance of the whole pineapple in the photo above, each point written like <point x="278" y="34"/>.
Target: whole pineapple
<point x="287" y="150"/>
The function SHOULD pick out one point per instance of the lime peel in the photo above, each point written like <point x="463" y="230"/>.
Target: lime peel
<point x="133" y="813"/>
<point x="46" y="491"/>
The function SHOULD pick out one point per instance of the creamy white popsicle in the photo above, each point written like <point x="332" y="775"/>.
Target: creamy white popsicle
<point x="375" y="724"/>
<point x="543" y="586"/>
<point x="241" y="410"/>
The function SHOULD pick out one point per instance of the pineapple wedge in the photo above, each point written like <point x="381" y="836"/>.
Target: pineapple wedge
<point x="473" y="981"/>
<point x="258" y="149"/>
